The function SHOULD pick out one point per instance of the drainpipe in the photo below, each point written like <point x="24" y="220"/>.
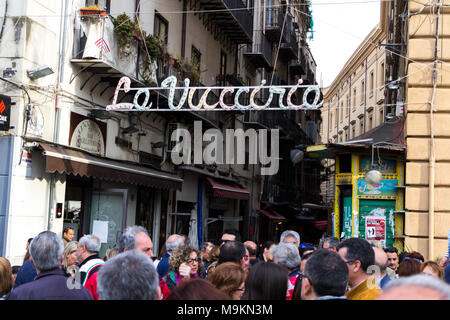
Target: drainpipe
<point x="432" y="161"/>
<point x="365" y="95"/>
<point x="183" y="30"/>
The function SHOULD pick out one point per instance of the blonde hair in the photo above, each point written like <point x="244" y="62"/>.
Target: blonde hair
<point x="6" y="279"/>
<point x="435" y="266"/>
<point x="68" y="249"/>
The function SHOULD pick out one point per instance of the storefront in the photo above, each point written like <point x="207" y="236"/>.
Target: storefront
<point x="364" y="208"/>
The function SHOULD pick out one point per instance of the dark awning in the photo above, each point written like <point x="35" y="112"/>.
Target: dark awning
<point x="272" y="215"/>
<point x="66" y="160"/>
<point x="228" y="190"/>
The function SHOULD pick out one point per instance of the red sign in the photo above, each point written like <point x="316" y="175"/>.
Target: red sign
<point x="375" y="228"/>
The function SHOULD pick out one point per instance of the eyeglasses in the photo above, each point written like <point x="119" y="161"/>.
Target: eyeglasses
<point x="349" y="261"/>
<point x="245" y="258"/>
<point x="306" y="245"/>
<point x="193" y="260"/>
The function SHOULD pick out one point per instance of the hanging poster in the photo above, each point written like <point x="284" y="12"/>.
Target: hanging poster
<point x="376" y="228"/>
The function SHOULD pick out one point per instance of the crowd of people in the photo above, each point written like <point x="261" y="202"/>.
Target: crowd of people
<point x="351" y="269"/>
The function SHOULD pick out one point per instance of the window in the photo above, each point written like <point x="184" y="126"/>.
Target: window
<point x="341" y="112"/>
<point x="381" y="115"/>
<point x="103" y="4"/>
<point x="161" y="31"/>
<point x="362" y="92"/>
<point x="336" y="119"/>
<point x="382" y="71"/>
<point x="361" y="126"/>
<point x="196" y="56"/>
<point x="371" y="84"/>
<point x="161" y="28"/>
<point x="353" y="131"/>
<point x="331" y="122"/>
<point x="370" y="124"/>
<point x="347" y="107"/>
<point x="354" y="99"/>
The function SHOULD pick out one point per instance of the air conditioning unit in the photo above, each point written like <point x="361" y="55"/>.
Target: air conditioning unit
<point x="171" y="127"/>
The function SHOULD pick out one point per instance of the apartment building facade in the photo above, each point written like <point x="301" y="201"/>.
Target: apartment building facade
<point x="70" y="163"/>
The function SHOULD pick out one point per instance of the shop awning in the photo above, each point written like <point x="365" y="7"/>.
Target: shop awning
<point x="272" y="215"/>
<point x="228" y="190"/>
<point x="70" y="161"/>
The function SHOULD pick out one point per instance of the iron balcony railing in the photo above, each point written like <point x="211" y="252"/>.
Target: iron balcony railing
<point x="260" y="52"/>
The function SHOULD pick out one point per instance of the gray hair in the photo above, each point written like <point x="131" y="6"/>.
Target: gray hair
<point x="290" y="233"/>
<point x="333" y="242"/>
<point x="91" y="242"/>
<point x="46" y="251"/>
<point x="174" y="244"/>
<point x="130" y="275"/>
<point x="68" y="249"/>
<point x="287" y="255"/>
<point x="421" y="280"/>
<point x="128" y="238"/>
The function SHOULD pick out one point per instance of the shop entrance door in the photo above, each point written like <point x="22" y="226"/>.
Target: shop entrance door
<point x="108" y="216"/>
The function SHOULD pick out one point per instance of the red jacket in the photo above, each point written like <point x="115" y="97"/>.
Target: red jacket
<point x="91" y="285"/>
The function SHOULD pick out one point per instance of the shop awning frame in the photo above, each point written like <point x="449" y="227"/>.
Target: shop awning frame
<point x="228" y="190"/>
<point x="272" y="215"/>
<point x="67" y="160"/>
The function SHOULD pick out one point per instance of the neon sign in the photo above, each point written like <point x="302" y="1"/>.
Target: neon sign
<point x="188" y="94"/>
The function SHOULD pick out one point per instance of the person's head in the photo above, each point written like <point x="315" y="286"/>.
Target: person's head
<point x="381" y="260"/>
<point x="325" y="274"/>
<point x="6" y="276"/>
<point x="305" y="248"/>
<point x="305" y="258"/>
<point x="214" y="254"/>
<point x="68" y="233"/>
<point x="46" y="251"/>
<point x="392" y="254"/>
<point x="196" y="289"/>
<point x="15" y="271"/>
<point x="416" y="255"/>
<point x="286" y="255"/>
<point x="205" y="250"/>
<point x="266" y="247"/>
<point x="290" y="236"/>
<point x="28" y="243"/>
<point x="130" y="275"/>
<point x="266" y="281"/>
<point x="252" y="249"/>
<point x="432" y="268"/>
<point x="408" y="267"/>
<point x="417" y="287"/>
<point x="330" y="243"/>
<point x="358" y="255"/>
<point x="111" y="252"/>
<point x="88" y="245"/>
<point x="188" y="255"/>
<point x="70" y="254"/>
<point x="230" y="235"/>
<point x="173" y="242"/>
<point x="136" y="237"/>
<point x="233" y="251"/>
<point x="229" y="277"/>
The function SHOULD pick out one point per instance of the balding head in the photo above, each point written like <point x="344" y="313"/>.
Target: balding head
<point x="418" y="287"/>
<point x="252" y="248"/>
<point x="173" y="242"/>
<point x="381" y="259"/>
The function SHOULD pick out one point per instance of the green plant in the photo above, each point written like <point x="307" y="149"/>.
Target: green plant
<point x="124" y="28"/>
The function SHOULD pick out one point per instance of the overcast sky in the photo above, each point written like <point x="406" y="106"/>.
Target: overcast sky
<point x="340" y="26"/>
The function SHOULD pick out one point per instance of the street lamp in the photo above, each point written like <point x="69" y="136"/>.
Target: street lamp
<point x="39" y="72"/>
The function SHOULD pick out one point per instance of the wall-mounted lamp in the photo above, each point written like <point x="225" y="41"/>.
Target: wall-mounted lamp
<point x="39" y="72"/>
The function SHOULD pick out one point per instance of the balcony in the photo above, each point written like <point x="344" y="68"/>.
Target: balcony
<point x="97" y="53"/>
<point x="260" y="53"/>
<point x="274" y="23"/>
<point x="289" y="49"/>
<point x="297" y="67"/>
<point x="236" y="23"/>
<point x="256" y="119"/>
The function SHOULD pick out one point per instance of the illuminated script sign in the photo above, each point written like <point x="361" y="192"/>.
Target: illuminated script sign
<point x="189" y="92"/>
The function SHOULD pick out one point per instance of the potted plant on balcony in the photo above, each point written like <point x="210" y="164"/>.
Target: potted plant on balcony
<point x="92" y="11"/>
